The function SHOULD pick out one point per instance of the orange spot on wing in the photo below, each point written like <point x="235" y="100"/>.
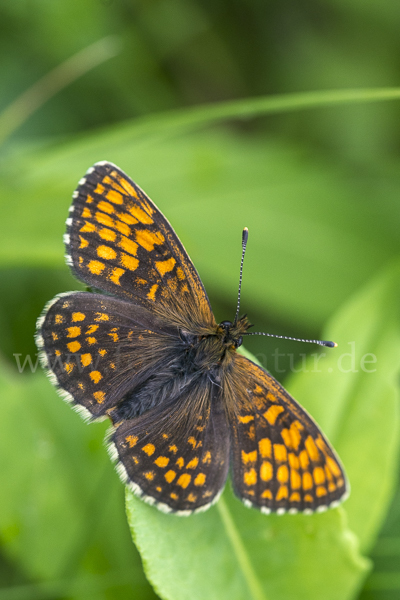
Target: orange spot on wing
<point x="249" y="456"/>
<point x="293" y="461"/>
<point x="319" y="475"/>
<point x="333" y="466"/>
<point x="92" y="329"/>
<point x="295" y="497"/>
<point x="184" y="480"/>
<point x="105" y="207"/>
<point x="95" y="376"/>
<point x="283" y="492"/>
<point x="165" y="266"/>
<point x="170" y="476"/>
<point x="162" y="461"/>
<point x="101" y="317"/>
<point x="265" y="447"/>
<point x="147" y="239"/>
<point x="132" y="440"/>
<point x="267" y="494"/>
<point x="124" y="183"/>
<point x="311" y="448"/>
<point x="78" y="316"/>
<point x="104" y="219"/>
<point x="106" y="252"/>
<point x="266" y="470"/>
<point x="74" y="346"/>
<point x="107" y="234"/>
<point x="200" y="479"/>
<point x="295" y="479"/>
<point x="123" y="228"/>
<point x="307" y="481"/>
<point x="245" y="418"/>
<point x="180" y="274"/>
<point x="250" y="477"/>
<point x="108" y="181"/>
<point x="99" y="189"/>
<point x="115" y="275"/>
<point x="149" y="449"/>
<point x="128" y="245"/>
<point x="282" y="474"/>
<point x="129" y="262"/>
<point x="88" y="227"/>
<point x="73" y="331"/>
<point x="304" y="460"/>
<point x="86" y="359"/>
<point x="96" y="267"/>
<point x="99" y="396"/>
<point x="272" y="413"/>
<point x="114" y="197"/>
<point x="291" y="437"/>
<point x="140" y="215"/>
<point x="280" y="452"/>
<point x="206" y="458"/>
<point x="193" y="463"/>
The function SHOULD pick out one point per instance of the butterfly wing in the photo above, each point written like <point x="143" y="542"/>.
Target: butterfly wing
<point x="177" y="458"/>
<point x="97" y="349"/>
<point x="119" y="242"/>
<point x="281" y="459"/>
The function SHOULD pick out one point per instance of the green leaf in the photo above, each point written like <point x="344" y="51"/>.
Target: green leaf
<point x="356" y="401"/>
<point x="233" y="552"/>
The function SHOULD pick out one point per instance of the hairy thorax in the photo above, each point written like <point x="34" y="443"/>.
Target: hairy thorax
<point x="193" y="360"/>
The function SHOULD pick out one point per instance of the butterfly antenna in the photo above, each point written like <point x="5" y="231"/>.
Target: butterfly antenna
<point x="245" y="237"/>
<point x="285" y="337"/>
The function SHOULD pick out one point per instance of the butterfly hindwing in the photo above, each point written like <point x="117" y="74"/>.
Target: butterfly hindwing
<point x="281" y="460"/>
<point x="176" y="458"/>
<point x="119" y="242"/>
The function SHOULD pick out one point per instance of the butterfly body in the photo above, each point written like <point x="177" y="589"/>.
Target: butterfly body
<point x="147" y="353"/>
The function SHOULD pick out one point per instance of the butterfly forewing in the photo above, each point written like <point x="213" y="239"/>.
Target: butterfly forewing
<point x="281" y="460"/>
<point x="98" y="348"/>
<point x="119" y="242"/>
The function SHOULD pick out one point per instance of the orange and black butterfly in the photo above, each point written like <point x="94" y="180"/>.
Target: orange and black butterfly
<point x="146" y="352"/>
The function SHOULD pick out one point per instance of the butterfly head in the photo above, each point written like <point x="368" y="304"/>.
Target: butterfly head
<point x="231" y="334"/>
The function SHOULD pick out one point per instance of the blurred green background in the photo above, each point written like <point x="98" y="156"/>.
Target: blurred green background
<point x="318" y="189"/>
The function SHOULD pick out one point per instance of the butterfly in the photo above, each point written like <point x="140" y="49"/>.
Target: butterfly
<point x="145" y="351"/>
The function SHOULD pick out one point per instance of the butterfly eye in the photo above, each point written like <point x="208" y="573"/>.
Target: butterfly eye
<point x="238" y="342"/>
